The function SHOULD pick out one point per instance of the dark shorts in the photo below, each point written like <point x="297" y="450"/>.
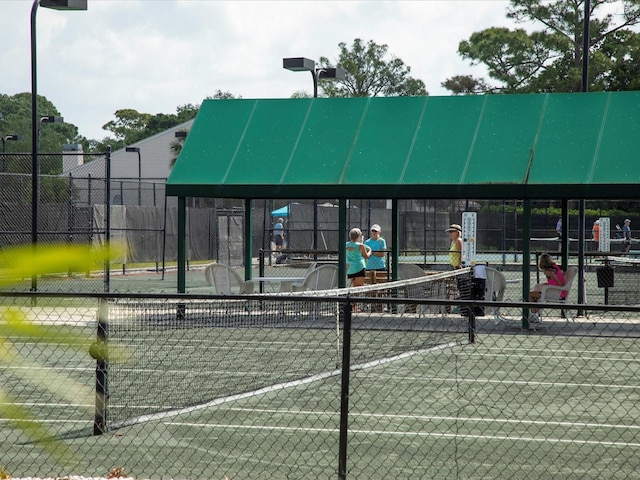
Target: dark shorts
<point x="278" y="240"/>
<point x="361" y="273"/>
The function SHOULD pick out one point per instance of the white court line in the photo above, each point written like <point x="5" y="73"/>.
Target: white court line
<point x="277" y="387"/>
<point x="558" y="357"/>
<point x="414" y="434"/>
<point x="49" y="405"/>
<point x="39" y="421"/>
<point x="563" y="352"/>
<point x="515" y="382"/>
<point x="394" y="416"/>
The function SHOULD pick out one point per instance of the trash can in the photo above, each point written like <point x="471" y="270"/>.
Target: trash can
<point x="605" y="276"/>
<point x="479" y="286"/>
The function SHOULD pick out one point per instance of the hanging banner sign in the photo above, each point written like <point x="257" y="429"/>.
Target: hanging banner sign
<point x="469" y="226"/>
<point x="604" y="240"/>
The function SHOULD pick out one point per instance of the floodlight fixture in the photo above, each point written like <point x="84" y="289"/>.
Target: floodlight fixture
<point x="51" y="119"/>
<point x="298" y="64"/>
<point x="14" y="138"/>
<point x="302" y="64"/>
<point x="332" y="73"/>
<point x="64" y="4"/>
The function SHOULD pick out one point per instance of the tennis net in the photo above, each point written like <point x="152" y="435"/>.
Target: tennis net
<point x="168" y="356"/>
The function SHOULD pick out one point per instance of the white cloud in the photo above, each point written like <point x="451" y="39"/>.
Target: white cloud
<point x="153" y="55"/>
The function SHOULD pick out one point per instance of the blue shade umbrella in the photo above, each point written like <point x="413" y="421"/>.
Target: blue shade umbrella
<point x="281" y="212"/>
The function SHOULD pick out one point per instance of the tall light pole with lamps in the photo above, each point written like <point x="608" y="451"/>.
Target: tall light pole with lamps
<point x="302" y="64"/>
<point x="45" y="119"/>
<point x="5" y="139"/>
<point x="35" y="120"/>
<point x="8" y="138"/>
<point x="137" y="150"/>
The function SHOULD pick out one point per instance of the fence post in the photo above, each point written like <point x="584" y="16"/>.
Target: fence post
<point x="344" y="390"/>
<point x="107" y="218"/>
<point x="99" y="351"/>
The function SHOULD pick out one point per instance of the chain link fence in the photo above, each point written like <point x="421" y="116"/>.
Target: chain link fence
<point x="269" y="386"/>
<point x="71" y="210"/>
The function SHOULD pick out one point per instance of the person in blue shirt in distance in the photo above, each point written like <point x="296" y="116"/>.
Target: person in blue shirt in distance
<point x="626" y="234"/>
<point x="378" y="246"/>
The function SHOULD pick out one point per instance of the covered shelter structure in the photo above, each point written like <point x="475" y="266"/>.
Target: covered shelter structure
<point x="529" y="147"/>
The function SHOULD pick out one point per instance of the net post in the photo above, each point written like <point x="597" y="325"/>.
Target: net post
<point x="99" y="351"/>
<point x="467" y="293"/>
<point x="344" y="390"/>
<point x="472" y="326"/>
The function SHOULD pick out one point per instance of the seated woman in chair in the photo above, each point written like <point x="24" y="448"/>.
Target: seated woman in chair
<point x="555" y="276"/>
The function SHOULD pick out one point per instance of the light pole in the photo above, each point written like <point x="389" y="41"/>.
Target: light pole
<point x="56" y="5"/>
<point x="582" y="204"/>
<point x="5" y="139"/>
<point x="8" y="138"/>
<point x="137" y="150"/>
<point x="302" y="64"/>
<point x="44" y="120"/>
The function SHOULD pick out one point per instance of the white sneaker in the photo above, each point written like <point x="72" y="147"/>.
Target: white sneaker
<point x="534" y="318"/>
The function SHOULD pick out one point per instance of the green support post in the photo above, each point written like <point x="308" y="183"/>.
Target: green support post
<point x="395" y="236"/>
<point x="526" y="263"/>
<point x="248" y="239"/>
<point x="182" y="244"/>
<point x="564" y="249"/>
<point x="342" y="241"/>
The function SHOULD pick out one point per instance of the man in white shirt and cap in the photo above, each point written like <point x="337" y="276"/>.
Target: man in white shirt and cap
<point x="378" y="246"/>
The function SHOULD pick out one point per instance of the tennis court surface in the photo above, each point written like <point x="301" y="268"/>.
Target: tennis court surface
<point x="254" y="387"/>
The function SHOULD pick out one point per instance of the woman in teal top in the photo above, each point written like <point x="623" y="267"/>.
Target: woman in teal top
<point x="357" y="255"/>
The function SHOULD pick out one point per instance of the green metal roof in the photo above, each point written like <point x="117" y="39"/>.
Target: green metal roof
<point x="580" y="145"/>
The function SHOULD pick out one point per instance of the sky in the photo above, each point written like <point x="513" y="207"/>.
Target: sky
<point x="155" y="55"/>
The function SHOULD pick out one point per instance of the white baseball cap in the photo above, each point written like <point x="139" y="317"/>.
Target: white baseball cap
<point x="376" y="227"/>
